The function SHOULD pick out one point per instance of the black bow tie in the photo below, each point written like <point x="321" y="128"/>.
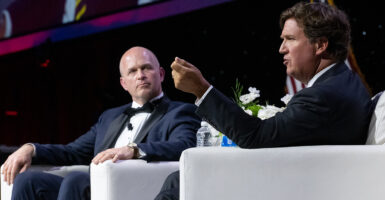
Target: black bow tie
<point x="146" y="108"/>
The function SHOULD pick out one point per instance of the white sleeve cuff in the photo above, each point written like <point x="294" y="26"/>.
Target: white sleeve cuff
<point x="141" y="153"/>
<point x="199" y="101"/>
<point x="34" y="149"/>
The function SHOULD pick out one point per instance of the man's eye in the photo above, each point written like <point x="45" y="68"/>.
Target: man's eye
<point x="147" y="67"/>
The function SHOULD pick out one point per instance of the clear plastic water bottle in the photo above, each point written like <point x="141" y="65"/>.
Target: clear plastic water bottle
<point x="203" y="135"/>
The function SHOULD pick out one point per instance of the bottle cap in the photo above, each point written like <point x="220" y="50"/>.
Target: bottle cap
<point x="204" y="123"/>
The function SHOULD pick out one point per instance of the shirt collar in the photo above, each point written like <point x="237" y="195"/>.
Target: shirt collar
<point x="136" y="105"/>
<point x="315" y="77"/>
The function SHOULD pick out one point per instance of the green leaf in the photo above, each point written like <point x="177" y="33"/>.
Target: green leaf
<point x="237" y="92"/>
<point x="254" y="109"/>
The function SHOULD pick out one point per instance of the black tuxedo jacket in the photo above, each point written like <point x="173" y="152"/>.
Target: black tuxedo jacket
<point x="335" y="110"/>
<point x="170" y="129"/>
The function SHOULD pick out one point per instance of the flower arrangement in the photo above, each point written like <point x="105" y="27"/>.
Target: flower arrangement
<point x="249" y="102"/>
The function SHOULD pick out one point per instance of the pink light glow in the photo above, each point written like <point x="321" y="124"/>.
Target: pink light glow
<point x="23" y="42"/>
<point x="142" y="14"/>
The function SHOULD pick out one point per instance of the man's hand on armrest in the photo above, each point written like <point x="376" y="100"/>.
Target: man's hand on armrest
<point x="114" y="154"/>
<point x="17" y="162"/>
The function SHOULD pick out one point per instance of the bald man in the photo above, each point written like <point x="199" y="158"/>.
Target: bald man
<point x="151" y="127"/>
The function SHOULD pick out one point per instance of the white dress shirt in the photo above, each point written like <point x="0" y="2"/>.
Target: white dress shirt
<point x="315" y="77"/>
<point x="137" y="121"/>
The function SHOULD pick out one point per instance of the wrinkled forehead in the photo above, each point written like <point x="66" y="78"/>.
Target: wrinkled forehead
<point x="138" y="58"/>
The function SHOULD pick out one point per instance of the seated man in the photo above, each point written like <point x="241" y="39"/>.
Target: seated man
<point x="335" y="108"/>
<point x="152" y="128"/>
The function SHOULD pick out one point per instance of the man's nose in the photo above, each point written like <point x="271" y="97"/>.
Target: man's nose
<point x="140" y="74"/>
<point x="282" y="48"/>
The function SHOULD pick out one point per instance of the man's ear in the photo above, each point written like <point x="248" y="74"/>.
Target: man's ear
<point x="321" y="45"/>
<point x="161" y="73"/>
<point x="122" y="83"/>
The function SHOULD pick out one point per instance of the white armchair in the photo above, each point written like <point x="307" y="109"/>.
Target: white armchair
<point x="301" y="173"/>
<point x="130" y="179"/>
<point x="341" y="172"/>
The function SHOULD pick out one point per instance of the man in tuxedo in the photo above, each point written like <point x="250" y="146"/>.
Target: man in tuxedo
<point x="335" y="108"/>
<point x="152" y="128"/>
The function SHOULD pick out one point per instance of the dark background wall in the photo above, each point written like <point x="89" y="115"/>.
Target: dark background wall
<point x="58" y="103"/>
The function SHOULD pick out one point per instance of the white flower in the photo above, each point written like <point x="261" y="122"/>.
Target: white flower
<point x="247" y="98"/>
<point x="214" y="132"/>
<point x="215" y="139"/>
<point x="268" y="111"/>
<point x="249" y="112"/>
<point x="247" y="101"/>
<point x="254" y="90"/>
<point x="286" y="98"/>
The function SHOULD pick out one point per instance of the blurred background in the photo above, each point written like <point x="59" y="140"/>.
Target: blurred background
<point x="59" y="59"/>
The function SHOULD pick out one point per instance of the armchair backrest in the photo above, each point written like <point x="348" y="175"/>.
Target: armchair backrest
<point x="376" y="131"/>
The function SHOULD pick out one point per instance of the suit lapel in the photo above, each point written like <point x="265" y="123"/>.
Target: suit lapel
<point x="157" y="114"/>
<point x="113" y="131"/>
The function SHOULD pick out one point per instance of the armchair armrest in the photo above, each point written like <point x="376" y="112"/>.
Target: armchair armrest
<point x="311" y="172"/>
<point x="129" y="179"/>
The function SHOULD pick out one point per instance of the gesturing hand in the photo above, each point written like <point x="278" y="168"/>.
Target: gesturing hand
<point x="122" y="153"/>
<point x="188" y="78"/>
<point x="17" y="162"/>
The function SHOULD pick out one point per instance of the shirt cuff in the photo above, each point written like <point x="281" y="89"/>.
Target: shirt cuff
<point x="34" y="149"/>
<point x="199" y="101"/>
<point x="141" y="153"/>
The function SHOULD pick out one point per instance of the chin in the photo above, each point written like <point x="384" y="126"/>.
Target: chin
<point x="289" y="72"/>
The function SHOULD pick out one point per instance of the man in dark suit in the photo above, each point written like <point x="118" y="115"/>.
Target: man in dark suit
<point x="335" y="108"/>
<point x="152" y="128"/>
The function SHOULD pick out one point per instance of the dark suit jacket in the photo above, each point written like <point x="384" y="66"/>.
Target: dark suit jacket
<point x="170" y="129"/>
<point x="335" y="110"/>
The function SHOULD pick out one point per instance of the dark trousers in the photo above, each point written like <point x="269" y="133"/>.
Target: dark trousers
<point x="170" y="188"/>
<point x="40" y="185"/>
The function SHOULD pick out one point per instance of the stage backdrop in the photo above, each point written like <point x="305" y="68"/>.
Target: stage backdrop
<point x="28" y="23"/>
